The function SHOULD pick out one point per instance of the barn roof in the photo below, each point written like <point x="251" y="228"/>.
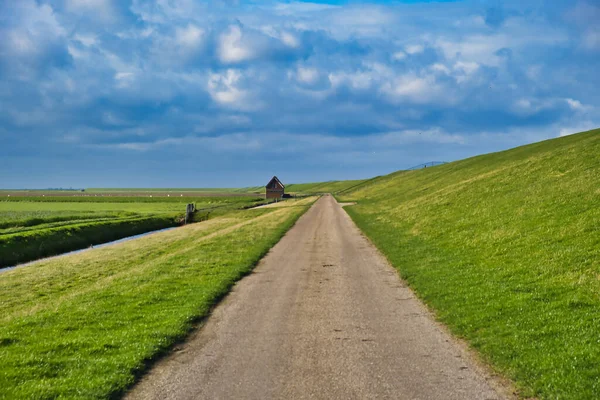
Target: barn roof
<point x="275" y="180"/>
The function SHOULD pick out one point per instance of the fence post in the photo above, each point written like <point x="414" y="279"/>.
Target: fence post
<point x="189" y="210"/>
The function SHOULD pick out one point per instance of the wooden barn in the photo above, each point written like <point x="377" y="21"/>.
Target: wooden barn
<point x="275" y="189"/>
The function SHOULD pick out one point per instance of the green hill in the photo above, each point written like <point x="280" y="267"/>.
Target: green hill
<point x="505" y="248"/>
<point x="322" y="187"/>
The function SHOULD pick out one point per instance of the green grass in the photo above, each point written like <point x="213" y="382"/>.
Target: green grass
<point x="85" y="325"/>
<point x="505" y="248"/>
<point x="137" y="199"/>
<point x="30" y="245"/>
<point x="166" y="190"/>
<point x="34" y="227"/>
<point x="321" y="187"/>
<point x="16" y="220"/>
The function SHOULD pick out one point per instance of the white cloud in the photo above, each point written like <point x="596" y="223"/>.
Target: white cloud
<point x="39" y="19"/>
<point x="441" y="68"/>
<point x="307" y="75"/>
<point x="398" y="56"/>
<point x="527" y="107"/>
<point x="86" y="39"/>
<point x="124" y="79"/>
<point x="225" y="89"/>
<point x="432" y="135"/>
<point x="230" y="143"/>
<point x="22" y="43"/>
<point x="123" y="75"/>
<point x="412" y="87"/>
<point x="417" y="89"/>
<point x="359" y="80"/>
<point x="578" y="127"/>
<point x="290" y="40"/>
<point x="191" y="36"/>
<point x="103" y="10"/>
<point x="478" y="48"/>
<point x="297" y="7"/>
<point x="132" y="146"/>
<point x="37" y="26"/>
<point x="466" y="67"/>
<point x="531" y="106"/>
<point x="414" y="49"/>
<point x="231" y="48"/>
<point x="286" y="37"/>
<point x="365" y="20"/>
<point x="576" y="105"/>
<point x="32" y="40"/>
<point x="464" y="71"/>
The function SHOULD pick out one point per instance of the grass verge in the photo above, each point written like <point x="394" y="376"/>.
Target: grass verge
<point x="39" y="243"/>
<point x="36" y="227"/>
<point x="506" y="249"/>
<point x="84" y="326"/>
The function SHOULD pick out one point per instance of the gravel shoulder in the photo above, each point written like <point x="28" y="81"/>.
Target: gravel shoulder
<point x="323" y="316"/>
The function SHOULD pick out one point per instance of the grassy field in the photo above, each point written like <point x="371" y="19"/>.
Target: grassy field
<point x="133" y="194"/>
<point x="162" y="190"/>
<point x="34" y="227"/>
<point x="85" y="325"/>
<point x="220" y="191"/>
<point x="505" y="248"/>
<point x="321" y="187"/>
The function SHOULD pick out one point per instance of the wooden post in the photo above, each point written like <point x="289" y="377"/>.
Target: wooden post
<point x="189" y="210"/>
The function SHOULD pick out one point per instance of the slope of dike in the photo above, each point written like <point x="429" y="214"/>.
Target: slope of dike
<point x="505" y="249"/>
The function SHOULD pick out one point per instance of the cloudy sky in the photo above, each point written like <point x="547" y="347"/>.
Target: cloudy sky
<point x="191" y="93"/>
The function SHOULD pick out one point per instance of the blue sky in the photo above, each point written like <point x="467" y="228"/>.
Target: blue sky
<point x="188" y="93"/>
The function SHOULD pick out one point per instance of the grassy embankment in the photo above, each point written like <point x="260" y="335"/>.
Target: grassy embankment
<point x="36" y="227"/>
<point x="505" y="248"/>
<point x="321" y="187"/>
<point x="85" y="325"/>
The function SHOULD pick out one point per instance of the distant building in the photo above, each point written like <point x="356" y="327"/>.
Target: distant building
<point x="275" y="189"/>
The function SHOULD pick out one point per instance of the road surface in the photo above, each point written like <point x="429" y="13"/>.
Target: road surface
<point x="323" y="316"/>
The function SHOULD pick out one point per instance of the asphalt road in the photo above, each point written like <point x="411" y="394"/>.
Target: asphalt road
<point x="322" y="317"/>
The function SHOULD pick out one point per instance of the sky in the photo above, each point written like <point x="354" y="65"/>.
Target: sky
<point x="191" y="93"/>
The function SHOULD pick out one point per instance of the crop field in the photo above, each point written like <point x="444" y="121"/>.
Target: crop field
<point x="85" y="325"/>
<point x="37" y="226"/>
<point x="505" y="248"/>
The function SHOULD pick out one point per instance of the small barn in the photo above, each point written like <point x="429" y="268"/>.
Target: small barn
<point x="275" y="189"/>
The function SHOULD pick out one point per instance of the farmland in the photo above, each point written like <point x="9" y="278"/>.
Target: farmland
<point x="85" y="325"/>
<point x="505" y="248"/>
<point x="37" y="226"/>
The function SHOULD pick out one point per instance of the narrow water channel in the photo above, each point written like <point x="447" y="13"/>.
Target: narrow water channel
<point x="88" y="248"/>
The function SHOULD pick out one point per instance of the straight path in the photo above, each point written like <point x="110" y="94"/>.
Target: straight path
<point x="322" y="317"/>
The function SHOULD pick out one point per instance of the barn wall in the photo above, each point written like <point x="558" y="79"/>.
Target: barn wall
<point x="274" y="193"/>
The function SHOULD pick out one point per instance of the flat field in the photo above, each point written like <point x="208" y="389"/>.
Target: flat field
<point x="135" y="192"/>
<point x="505" y="248"/>
<point x="32" y="227"/>
<point x="85" y="325"/>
